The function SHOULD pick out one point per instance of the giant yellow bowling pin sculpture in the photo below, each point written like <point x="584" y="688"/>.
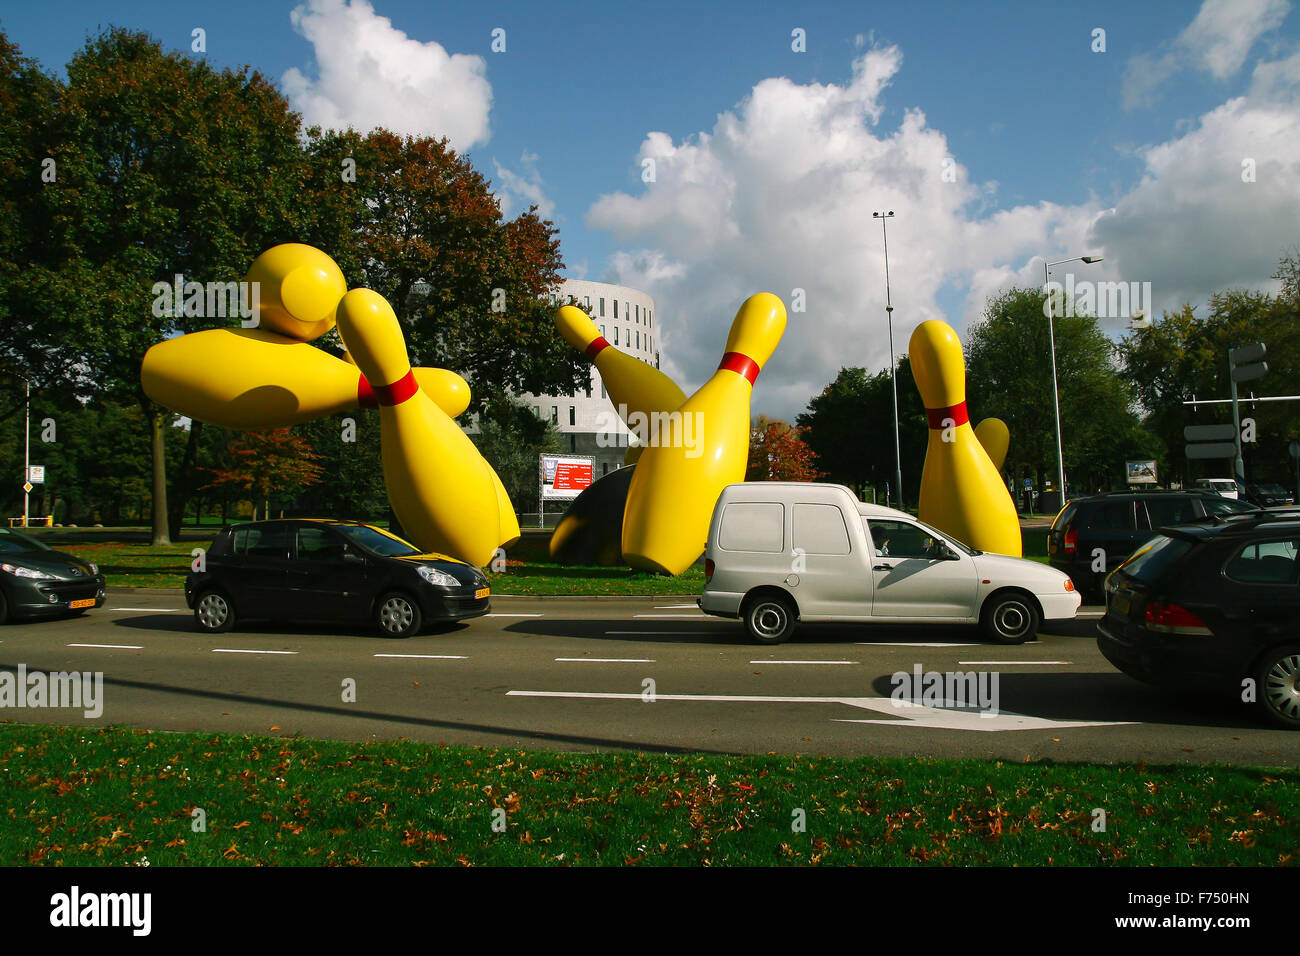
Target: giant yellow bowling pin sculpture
<point x="677" y="483"/>
<point x="253" y="379"/>
<point x="962" y="493"/>
<point x="636" y="387"/>
<point x="444" y="493"/>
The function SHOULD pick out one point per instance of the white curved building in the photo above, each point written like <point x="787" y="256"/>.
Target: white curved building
<point x="588" y="419"/>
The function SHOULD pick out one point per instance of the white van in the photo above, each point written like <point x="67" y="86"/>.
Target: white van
<point x="1227" y="487"/>
<point x="782" y="552"/>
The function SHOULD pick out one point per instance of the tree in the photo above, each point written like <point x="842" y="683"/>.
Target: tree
<point x="466" y="284"/>
<point x="1009" y="376"/>
<point x="512" y="439"/>
<point x="850" y="428"/>
<point x="267" y="463"/>
<point x="166" y="166"/>
<point x="777" y="452"/>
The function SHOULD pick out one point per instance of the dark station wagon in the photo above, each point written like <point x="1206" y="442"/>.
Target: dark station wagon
<point x="318" y="570"/>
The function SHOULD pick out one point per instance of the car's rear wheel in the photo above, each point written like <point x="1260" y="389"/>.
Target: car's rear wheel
<point x="1009" y="617"/>
<point x="398" y="615"/>
<point x="1277" y="685"/>
<point x="214" y="612"/>
<point x="769" y="618"/>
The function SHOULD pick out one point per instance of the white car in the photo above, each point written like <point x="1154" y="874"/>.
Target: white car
<point x="1227" y="487"/>
<point x="783" y="552"/>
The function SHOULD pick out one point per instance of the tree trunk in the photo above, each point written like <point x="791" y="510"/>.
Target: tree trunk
<point x="183" y="486"/>
<point x="156" y="417"/>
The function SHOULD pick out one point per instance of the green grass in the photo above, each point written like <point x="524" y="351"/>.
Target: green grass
<point x="116" y="797"/>
<point x="541" y="578"/>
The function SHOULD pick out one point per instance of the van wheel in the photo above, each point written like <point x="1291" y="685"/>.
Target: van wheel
<point x="769" y="619"/>
<point x="1009" y="617"/>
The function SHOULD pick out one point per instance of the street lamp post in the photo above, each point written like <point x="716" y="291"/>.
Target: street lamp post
<point x="893" y="382"/>
<point x="1051" y="337"/>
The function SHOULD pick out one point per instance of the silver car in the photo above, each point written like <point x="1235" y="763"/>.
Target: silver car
<point x="783" y="552"/>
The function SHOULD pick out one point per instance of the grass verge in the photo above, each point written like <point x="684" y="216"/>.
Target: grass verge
<point x="122" y="797"/>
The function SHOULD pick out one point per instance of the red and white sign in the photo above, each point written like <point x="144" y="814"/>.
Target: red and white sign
<point x="565" y="476"/>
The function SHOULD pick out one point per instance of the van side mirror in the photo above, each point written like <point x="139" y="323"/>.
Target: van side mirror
<point x="946" y="553"/>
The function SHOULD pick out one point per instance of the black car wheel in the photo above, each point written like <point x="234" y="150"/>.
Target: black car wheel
<point x="1277" y="685"/>
<point x="398" y="615"/>
<point x="214" y="613"/>
<point x="769" y="619"/>
<point x="1009" y="617"/>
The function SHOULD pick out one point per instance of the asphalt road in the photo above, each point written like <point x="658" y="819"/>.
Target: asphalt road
<point x="650" y="674"/>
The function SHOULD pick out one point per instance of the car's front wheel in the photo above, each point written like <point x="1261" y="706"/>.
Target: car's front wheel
<point x="214" y="612"/>
<point x="769" y="619"/>
<point x="1277" y="685"/>
<point x="1009" y="617"/>
<point x="398" y="615"/>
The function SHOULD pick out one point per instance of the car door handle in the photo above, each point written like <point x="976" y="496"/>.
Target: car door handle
<point x="883" y="567"/>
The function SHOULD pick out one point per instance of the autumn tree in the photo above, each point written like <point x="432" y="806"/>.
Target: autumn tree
<point x="268" y="463"/>
<point x="777" y="452"/>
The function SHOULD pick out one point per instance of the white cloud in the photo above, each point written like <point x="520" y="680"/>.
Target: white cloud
<point x="516" y="191"/>
<point x="778" y="196"/>
<point x="369" y="73"/>
<point x="1216" y="42"/>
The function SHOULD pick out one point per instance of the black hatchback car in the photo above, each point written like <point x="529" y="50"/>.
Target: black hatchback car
<point x="37" y="581"/>
<point x="1092" y="536"/>
<point x="1213" y="606"/>
<point x="317" y="570"/>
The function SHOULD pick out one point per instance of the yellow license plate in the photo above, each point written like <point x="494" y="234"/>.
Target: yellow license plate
<point x="84" y="602"/>
<point x="481" y="593"/>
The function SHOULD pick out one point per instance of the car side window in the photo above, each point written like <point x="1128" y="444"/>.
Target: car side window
<point x="1266" y="562"/>
<point x="898" y="539"/>
<point x="1114" y="516"/>
<point x="320" y="544"/>
<point x="1165" y="511"/>
<point x="267" y="541"/>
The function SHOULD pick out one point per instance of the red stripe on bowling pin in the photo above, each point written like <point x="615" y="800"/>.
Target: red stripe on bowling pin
<point x="597" y="346"/>
<point x="957" y="413"/>
<point x="741" y="364"/>
<point x="394" y="394"/>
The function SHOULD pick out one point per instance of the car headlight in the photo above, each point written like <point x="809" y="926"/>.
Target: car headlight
<point x="27" y="572"/>
<point x="434" y="576"/>
<point x="94" y="568"/>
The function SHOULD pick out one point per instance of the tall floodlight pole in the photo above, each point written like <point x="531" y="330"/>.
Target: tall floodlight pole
<point x="1051" y="337"/>
<point x="27" y="453"/>
<point x="889" y="317"/>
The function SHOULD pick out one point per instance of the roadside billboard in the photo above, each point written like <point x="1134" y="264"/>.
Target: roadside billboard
<point x="1141" y="472"/>
<point x="564" y="477"/>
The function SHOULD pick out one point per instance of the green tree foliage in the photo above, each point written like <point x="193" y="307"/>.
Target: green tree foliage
<point x="850" y="428"/>
<point x="1009" y="376"/>
<point x="512" y="439"/>
<point x="351" y="458"/>
<point x="1182" y="356"/>
<point x="428" y="235"/>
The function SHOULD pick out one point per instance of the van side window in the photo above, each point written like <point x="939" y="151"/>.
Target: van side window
<point x="819" y="529"/>
<point x="753" y="526"/>
<point x="899" y="539"/>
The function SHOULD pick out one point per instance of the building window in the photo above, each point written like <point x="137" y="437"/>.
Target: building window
<point x="650" y="318"/>
<point x="602" y="331"/>
<point x="626" y="309"/>
<point x="602" y="390"/>
<point x="616" y="335"/>
<point x="616" y="308"/>
<point x="586" y="302"/>
<point x="573" y="415"/>
<point x="638" y="314"/>
<point x="555" y="414"/>
<point x="537" y="410"/>
<point x="602" y="307"/>
<point x="638" y="339"/>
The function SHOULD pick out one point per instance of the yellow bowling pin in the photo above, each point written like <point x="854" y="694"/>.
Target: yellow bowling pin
<point x="996" y="439"/>
<point x="633" y="385"/>
<point x="676" y="485"/>
<point x="253" y="379"/>
<point x="299" y="288"/>
<point x="438" y="483"/>
<point x="961" y="492"/>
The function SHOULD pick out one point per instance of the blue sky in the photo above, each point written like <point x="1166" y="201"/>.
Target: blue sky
<point x="999" y="134"/>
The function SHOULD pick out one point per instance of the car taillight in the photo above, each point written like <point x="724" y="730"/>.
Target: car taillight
<point x="1071" y="541"/>
<point x="1165" y="618"/>
<point x="708" y="569"/>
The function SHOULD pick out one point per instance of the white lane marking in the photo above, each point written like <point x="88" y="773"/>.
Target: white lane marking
<point x="1091" y="614"/>
<point x="604" y="660"/>
<point x="1005" y="663"/>
<point x="154" y="610"/>
<point x="666" y="632"/>
<point x="911" y="714"/>
<point x="699" y="617"/>
<point x="125" y="647"/>
<point x="676" y="607"/>
<point x="512" y="615"/>
<point x="803" y="662"/>
<point x="431" y="657"/>
<point x="245" y="650"/>
<point x="913" y="643"/>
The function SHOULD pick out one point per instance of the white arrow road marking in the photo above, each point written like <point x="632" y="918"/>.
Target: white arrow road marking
<point x="916" y="715"/>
